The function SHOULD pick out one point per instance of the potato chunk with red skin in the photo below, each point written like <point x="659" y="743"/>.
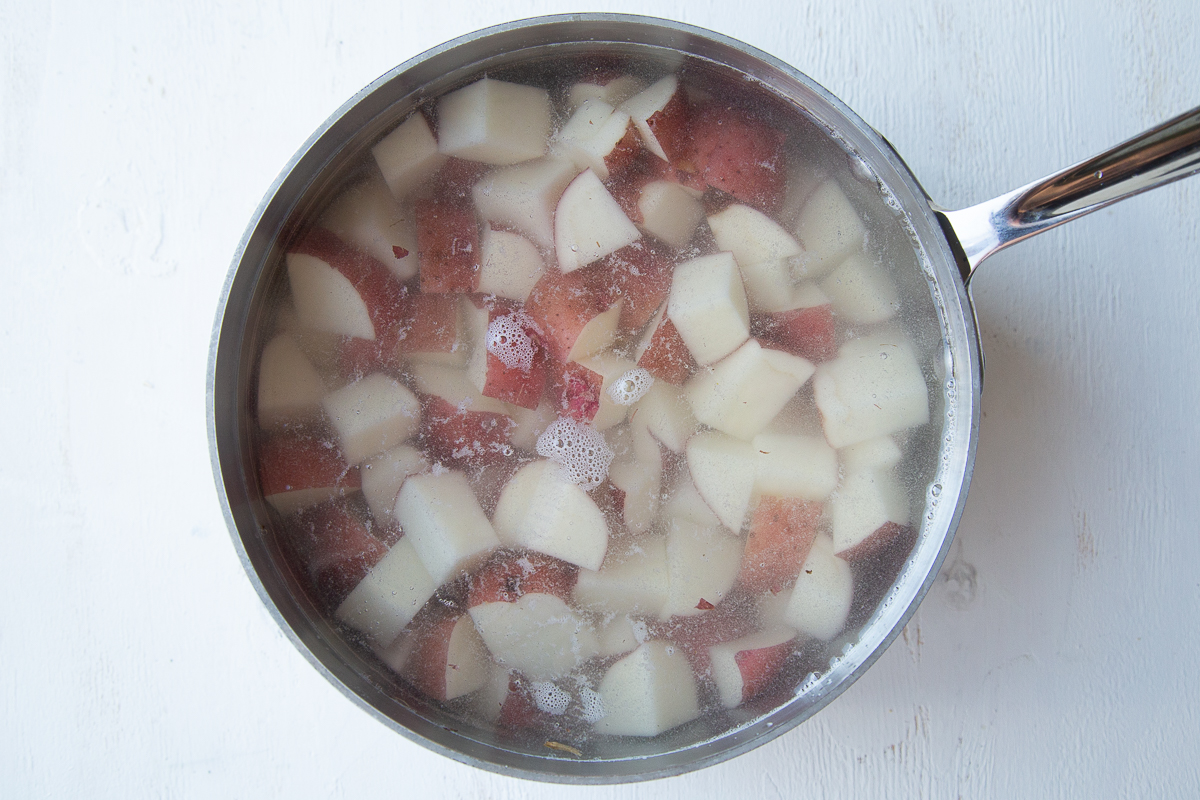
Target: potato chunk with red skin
<point x="335" y="549"/>
<point x="664" y="353"/>
<point x="782" y="530"/>
<point x="510" y="574"/>
<point x="576" y="390"/>
<point x="296" y="471"/>
<point x="806" y="332"/>
<point x="464" y="437"/>
<point x="637" y="276"/>
<point x="740" y="155"/>
<point x="498" y="380"/>
<point x="562" y="305"/>
<point x="448" y="246"/>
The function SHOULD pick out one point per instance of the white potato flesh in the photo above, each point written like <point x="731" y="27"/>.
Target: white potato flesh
<point x="665" y="412"/>
<point x="649" y="691"/>
<point x="646" y="104"/>
<point x="789" y="465"/>
<point x="448" y="529"/>
<point x="510" y="264"/>
<point x="523" y="197"/>
<point x="820" y="601"/>
<point x="639" y="476"/>
<point x="408" y="156"/>
<point x="538" y="635"/>
<point x="861" y="292"/>
<point x="615" y="92"/>
<point x="290" y="389"/>
<point x="455" y="387"/>
<point x="881" y="453"/>
<point x="867" y="500"/>
<point x="685" y="503"/>
<point x="829" y="229"/>
<point x="589" y="224"/>
<point x="763" y="251"/>
<point x="467" y="661"/>
<point x="723" y="468"/>
<point x="369" y="217"/>
<point x="529" y="423"/>
<point x="372" y="415"/>
<point x="873" y="388"/>
<point x="669" y="213"/>
<point x="743" y="392"/>
<point x="495" y="122"/>
<point x="590" y="135"/>
<point x="597" y="334"/>
<point x="385" y="473"/>
<point x="632" y="581"/>
<point x="391" y="594"/>
<point x="702" y="565"/>
<point x="620" y="635"/>
<point x="609" y="367"/>
<point x="707" y="303"/>
<point x="541" y="510"/>
<point x="326" y="300"/>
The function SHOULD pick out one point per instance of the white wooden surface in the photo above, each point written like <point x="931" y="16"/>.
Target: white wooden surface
<point x="1057" y="655"/>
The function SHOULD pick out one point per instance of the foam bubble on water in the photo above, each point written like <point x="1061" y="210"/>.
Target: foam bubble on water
<point x="550" y="698"/>
<point x="507" y="341"/>
<point x="593" y="706"/>
<point x="579" y="449"/>
<point x="631" y="386"/>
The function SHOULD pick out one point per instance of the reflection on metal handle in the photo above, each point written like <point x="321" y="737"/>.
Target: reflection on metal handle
<point x="1160" y="155"/>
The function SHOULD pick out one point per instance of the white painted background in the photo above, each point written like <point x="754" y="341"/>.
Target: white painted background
<point x="1056" y="657"/>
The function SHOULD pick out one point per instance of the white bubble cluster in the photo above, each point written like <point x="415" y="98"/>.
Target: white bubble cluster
<point x="593" y="706"/>
<point x="631" y="386"/>
<point x="507" y="341"/>
<point x="550" y="698"/>
<point x="579" y="449"/>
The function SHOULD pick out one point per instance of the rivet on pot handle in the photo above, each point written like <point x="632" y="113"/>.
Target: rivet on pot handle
<point x="1162" y="154"/>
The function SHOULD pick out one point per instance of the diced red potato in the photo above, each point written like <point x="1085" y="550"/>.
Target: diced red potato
<point x="647" y="692"/>
<point x="574" y="322"/>
<point x="618" y="635"/>
<point x="663" y="352"/>
<point x="702" y="565"/>
<point x="434" y="330"/>
<point x="665" y="412"/>
<point x="668" y="212"/>
<point x="408" y="156"/>
<point x="448" y="659"/>
<point x="490" y="699"/>
<point x="456" y="178"/>
<point x="321" y="348"/>
<point x="335" y="549"/>
<point x="708" y="307"/>
<point x="723" y="468"/>
<point x="861" y="292"/>
<point x="882" y="453"/>
<point x="495" y="122"/>
<point x="763" y="251"/>
<point x="613" y="90"/>
<point x="873" y="388"/>
<point x="638" y="277"/>
<point x="524" y="197"/>
<point x="511" y="574"/>
<point x="598" y="137"/>
<point x="781" y="534"/>
<point x="539" y="509"/>
<point x="290" y="389"/>
<point x="793" y="465"/>
<point x="609" y="368"/>
<point x="576" y="391"/>
<point x="385" y="601"/>
<point x="537" y="634"/>
<point x="528" y="424"/>
<point x="447" y="246"/>
<point x="695" y="635"/>
<point x="632" y="581"/>
<point x="660" y="114"/>
<point x="372" y="415"/>
<point x="740" y="155"/>
<point x="637" y="477"/>
<point x="455" y="387"/>
<point x="455" y="434"/>
<point x="683" y="501"/>
<point x="803" y="178"/>
<point x="298" y="471"/>
<point x="384" y="474"/>
<point x="510" y="264"/>
<point x="830" y="229"/>
<point x="809" y="333"/>
<point x="368" y="217"/>
<point x="820" y="601"/>
<point x="589" y="224"/>
<point x="442" y="517"/>
<point x="742" y="393"/>
<point x="743" y="668"/>
<point x="868" y="510"/>
<point x="507" y="362"/>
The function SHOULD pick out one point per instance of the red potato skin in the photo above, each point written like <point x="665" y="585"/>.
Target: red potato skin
<point x="335" y="549"/>
<point x="467" y="438"/>
<point x="379" y="289"/>
<point x="759" y="667"/>
<point x="561" y="305"/>
<point x="513" y="384"/>
<point x="884" y="538"/>
<point x="639" y="276"/>
<point x="454" y="180"/>
<point x="427" y="664"/>
<point x="509" y="575"/>
<point x="576" y="390"/>
<point x="806" y="332"/>
<point x="290" y="463"/>
<point x="670" y="126"/>
<point x="782" y="531"/>
<point x="447" y="246"/>
<point x="695" y="634"/>
<point x="667" y="357"/>
<point x="624" y="153"/>
<point x="428" y="323"/>
<point x="739" y="155"/>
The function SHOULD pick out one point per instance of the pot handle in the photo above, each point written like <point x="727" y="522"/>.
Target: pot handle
<point x="1160" y="155"/>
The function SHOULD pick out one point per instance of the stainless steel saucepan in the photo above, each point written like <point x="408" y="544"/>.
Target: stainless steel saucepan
<point x="944" y="249"/>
